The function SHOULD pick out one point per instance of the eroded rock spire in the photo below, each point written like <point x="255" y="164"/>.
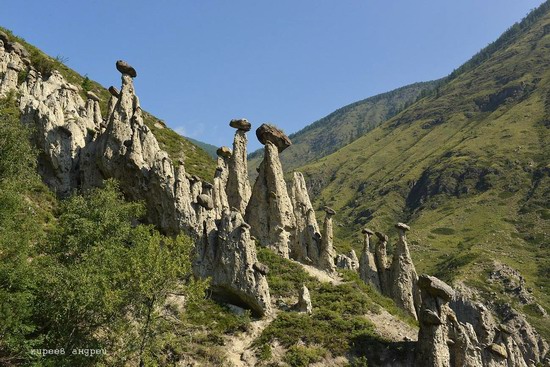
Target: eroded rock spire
<point x="368" y="270"/>
<point x="238" y="186"/>
<point x="326" y="258"/>
<point x="270" y="211"/>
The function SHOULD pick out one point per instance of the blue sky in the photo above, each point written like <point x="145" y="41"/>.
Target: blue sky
<point x="288" y="62"/>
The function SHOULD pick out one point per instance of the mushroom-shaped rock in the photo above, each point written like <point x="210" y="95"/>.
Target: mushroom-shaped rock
<point x="92" y="96"/>
<point x="403" y="227"/>
<point x="435" y="287"/>
<point x="329" y="211"/>
<point x="367" y="232"/>
<point x="114" y="91"/>
<point x="241" y="124"/>
<point x="267" y="132"/>
<point x="125" y="68"/>
<point x="205" y="201"/>
<point x="224" y="152"/>
<point x="381" y="236"/>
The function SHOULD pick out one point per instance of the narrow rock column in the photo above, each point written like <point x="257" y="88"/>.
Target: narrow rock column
<point x="326" y="258"/>
<point x="381" y="259"/>
<point x="269" y="211"/>
<point x="238" y="187"/>
<point x="403" y="273"/>
<point x="304" y="301"/>
<point x="367" y="265"/>
<point x="432" y="349"/>
<point x="305" y="247"/>
<point x="220" y="181"/>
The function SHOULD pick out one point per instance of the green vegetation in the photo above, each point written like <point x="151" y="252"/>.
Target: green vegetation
<point x="196" y="160"/>
<point x="343" y="126"/>
<point x="466" y="167"/>
<point x="81" y="273"/>
<point x="338" y="325"/>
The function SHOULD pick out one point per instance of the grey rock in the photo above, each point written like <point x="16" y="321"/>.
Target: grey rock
<point x="435" y="287"/>
<point x="270" y="211"/>
<point x="92" y="96"/>
<point x="403" y="277"/>
<point x="306" y="245"/>
<point x="238" y="186"/>
<point x="224" y="152"/>
<point x="114" y="91"/>
<point x="234" y="274"/>
<point x="241" y="124"/>
<point x="261" y="268"/>
<point x="368" y="269"/>
<point x="269" y="133"/>
<point x="205" y="201"/>
<point x="125" y="68"/>
<point x="327" y="253"/>
<point x="304" y="301"/>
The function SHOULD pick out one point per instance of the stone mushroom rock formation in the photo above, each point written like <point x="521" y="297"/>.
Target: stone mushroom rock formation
<point x="327" y="253"/>
<point x="267" y="132"/>
<point x="306" y="244"/>
<point x="368" y="269"/>
<point x="126" y="69"/>
<point x="403" y="275"/>
<point x="270" y="211"/>
<point x="241" y="124"/>
<point x="237" y="274"/>
<point x="432" y="349"/>
<point x="304" y="301"/>
<point x="443" y="340"/>
<point x="92" y="96"/>
<point x="238" y="186"/>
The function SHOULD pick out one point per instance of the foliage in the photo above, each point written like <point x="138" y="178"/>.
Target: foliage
<point x="19" y="230"/>
<point x="300" y="356"/>
<point x="105" y="277"/>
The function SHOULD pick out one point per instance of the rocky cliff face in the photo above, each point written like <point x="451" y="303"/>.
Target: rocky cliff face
<point x="80" y="148"/>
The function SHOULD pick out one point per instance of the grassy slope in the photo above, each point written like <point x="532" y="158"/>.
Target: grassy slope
<point x="467" y="167"/>
<point x="197" y="161"/>
<point x="343" y="126"/>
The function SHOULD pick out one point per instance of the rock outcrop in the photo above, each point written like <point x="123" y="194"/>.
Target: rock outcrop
<point x="80" y="149"/>
<point x="403" y="275"/>
<point x="455" y="331"/>
<point x="220" y="182"/>
<point x="270" y="211"/>
<point x="306" y="244"/>
<point x="304" y="301"/>
<point x="368" y="269"/>
<point x="237" y="274"/>
<point x="327" y="254"/>
<point x="269" y="133"/>
<point x="238" y="186"/>
<point x="347" y="261"/>
<point x="381" y="259"/>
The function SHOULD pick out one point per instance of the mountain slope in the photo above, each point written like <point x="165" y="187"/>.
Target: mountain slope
<point x="467" y="167"/>
<point x="198" y="161"/>
<point x="343" y="126"/>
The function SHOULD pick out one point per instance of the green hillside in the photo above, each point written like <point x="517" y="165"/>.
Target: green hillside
<point x="198" y="162"/>
<point x="343" y="126"/>
<point x="468" y="167"/>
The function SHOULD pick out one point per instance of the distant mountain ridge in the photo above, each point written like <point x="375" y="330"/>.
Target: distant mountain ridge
<point x="467" y="166"/>
<point x="344" y="126"/>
